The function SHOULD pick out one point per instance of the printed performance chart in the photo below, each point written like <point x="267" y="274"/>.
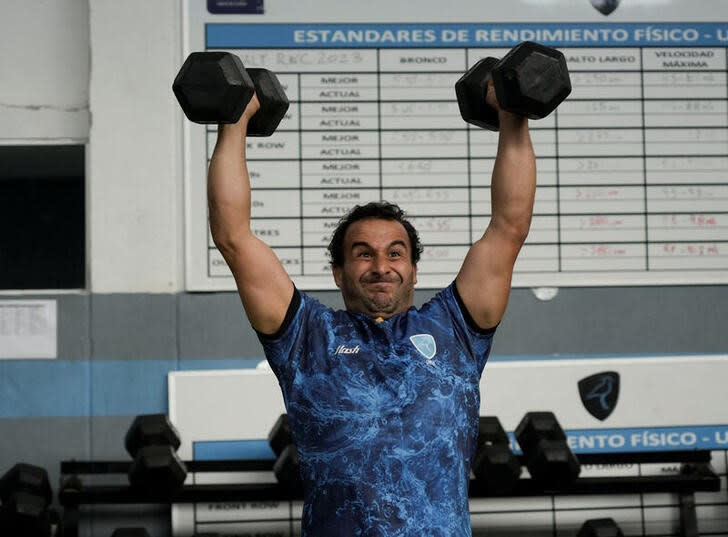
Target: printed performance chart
<point x="632" y="167"/>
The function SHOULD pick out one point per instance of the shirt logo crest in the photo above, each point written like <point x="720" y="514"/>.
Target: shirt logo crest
<point x="425" y="345"/>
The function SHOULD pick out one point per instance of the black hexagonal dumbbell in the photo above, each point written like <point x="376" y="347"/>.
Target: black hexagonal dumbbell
<point x="495" y="465"/>
<point x="152" y="441"/>
<point x="25" y="494"/>
<point x="600" y="527"/>
<point x="214" y="87"/>
<point x="280" y="434"/>
<point x="548" y="457"/>
<point x="531" y="80"/>
<point x="287" y="467"/>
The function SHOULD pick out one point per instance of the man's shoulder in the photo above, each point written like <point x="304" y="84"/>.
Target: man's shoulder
<point x="440" y="301"/>
<point x="448" y="302"/>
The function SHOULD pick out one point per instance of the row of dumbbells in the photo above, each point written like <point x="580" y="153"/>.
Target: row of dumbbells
<point x="531" y="81"/>
<point x="152" y="441"/>
<point x="546" y="454"/>
<point x="156" y="469"/>
<point x="25" y="496"/>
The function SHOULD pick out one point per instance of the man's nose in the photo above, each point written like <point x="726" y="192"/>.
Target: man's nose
<point x="381" y="265"/>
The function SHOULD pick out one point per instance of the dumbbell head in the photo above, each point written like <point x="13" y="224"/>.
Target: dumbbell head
<point x="490" y="431"/>
<point x="546" y="450"/>
<point x="149" y="430"/>
<point x="287" y="469"/>
<point x="23" y="513"/>
<point x="273" y="103"/>
<point x="157" y="469"/>
<point x="536" y="426"/>
<point x="25" y="493"/>
<point x="153" y="441"/>
<point x="470" y="90"/>
<point x="26" y="478"/>
<point x="494" y="464"/>
<point x="600" y="527"/>
<point x="280" y="434"/>
<point x="213" y="87"/>
<point x="553" y="463"/>
<point x="531" y="80"/>
<point x="497" y="469"/>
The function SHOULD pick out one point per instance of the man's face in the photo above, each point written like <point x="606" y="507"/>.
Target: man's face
<point x="377" y="276"/>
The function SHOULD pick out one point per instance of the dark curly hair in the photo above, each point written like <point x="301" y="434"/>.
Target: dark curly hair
<point x="375" y="209"/>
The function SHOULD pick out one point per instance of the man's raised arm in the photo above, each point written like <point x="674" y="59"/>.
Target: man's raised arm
<point x="264" y="286"/>
<point x="484" y="281"/>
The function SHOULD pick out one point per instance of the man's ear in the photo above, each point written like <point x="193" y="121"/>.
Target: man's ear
<point x="336" y="270"/>
<point x="414" y="269"/>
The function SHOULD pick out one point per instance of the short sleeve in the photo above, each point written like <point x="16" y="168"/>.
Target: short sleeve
<point x="477" y="340"/>
<point x="280" y="348"/>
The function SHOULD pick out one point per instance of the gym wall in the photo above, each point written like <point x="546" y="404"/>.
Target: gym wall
<point x="99" y="73"/>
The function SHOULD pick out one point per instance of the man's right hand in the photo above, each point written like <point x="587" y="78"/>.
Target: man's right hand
<point x="250" y="110"/>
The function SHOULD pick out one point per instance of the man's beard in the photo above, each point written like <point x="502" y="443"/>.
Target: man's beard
<point x="380" y="304"/>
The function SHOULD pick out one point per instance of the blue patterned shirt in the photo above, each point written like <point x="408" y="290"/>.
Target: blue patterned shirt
<point x="384" y="415"/>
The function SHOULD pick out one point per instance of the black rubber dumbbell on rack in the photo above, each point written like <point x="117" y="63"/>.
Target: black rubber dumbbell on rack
<point x="547" y="454"/>
<point x="153" y="441"/>
<point x="215" y="87"/>
<point x="495" y="466"/>
<point x="25" y="496"/>
<point x="531" y="81"/>
<point x="287" y="467"/>
<point x="600" y="527"/>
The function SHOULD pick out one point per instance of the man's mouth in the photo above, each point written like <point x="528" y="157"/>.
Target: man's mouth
<point x="380" y="285"/>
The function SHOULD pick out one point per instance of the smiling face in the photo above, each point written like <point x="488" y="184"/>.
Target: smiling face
<point x="377" y="276"/>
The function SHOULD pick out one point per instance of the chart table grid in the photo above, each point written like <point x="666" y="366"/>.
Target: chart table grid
<point x="632" y="167"/>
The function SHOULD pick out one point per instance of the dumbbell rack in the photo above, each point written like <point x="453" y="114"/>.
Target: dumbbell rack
<point x="696" y="476"/>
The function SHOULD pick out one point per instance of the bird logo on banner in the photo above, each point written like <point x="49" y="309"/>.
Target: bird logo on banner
<point x="599" y="393"/>
<point x="605" y="7"/>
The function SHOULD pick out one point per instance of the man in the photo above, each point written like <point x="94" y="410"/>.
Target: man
<point x="383" y="398"/>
